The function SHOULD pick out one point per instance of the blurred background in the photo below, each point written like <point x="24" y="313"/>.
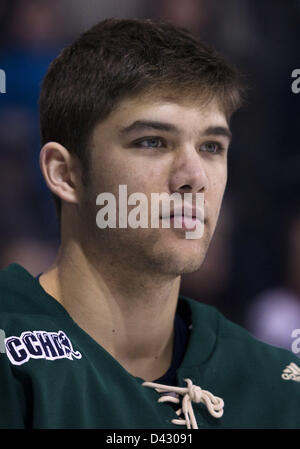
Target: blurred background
<point x="252" y="270"/>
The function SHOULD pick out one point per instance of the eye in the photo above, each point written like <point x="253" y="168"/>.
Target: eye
<point x="150" y="142"/>
<point x="212" y="147"/>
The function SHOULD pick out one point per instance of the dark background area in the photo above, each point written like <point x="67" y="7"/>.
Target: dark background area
<point x="252" y="270"/>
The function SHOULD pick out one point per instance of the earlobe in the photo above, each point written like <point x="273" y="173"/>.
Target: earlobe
<point x="58" y="169"/>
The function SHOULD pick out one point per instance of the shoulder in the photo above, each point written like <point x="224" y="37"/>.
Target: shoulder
<point x="23" y="300"/>
<point x="16" y="286"/>
<point x="259" y="382"/>
<point x="236" y="345"/>
<point x="12" y="288"/>
<point x="239" y="338"/>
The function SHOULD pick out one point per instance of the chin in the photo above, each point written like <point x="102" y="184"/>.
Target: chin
<point x="177" y="263"/>
<point x="188" y="267"/>
<point x="185" y="257"/>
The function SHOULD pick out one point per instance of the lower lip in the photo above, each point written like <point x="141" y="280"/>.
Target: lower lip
<point x="187" y="223"/>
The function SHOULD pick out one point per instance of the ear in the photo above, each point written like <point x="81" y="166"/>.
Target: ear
<point x="61" y="171"/>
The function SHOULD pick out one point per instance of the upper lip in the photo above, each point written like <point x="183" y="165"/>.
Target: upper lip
<point x="185" y="211"/>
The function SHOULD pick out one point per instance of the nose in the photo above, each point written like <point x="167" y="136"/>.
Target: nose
<point x="189" y="172"/>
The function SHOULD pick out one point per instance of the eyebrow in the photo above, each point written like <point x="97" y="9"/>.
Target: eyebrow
<point x="139" y="125"/>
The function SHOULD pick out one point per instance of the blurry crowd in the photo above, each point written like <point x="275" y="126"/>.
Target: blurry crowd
<point x="252" y="270"/>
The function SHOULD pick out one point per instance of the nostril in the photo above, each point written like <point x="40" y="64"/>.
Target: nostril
<point x="185" y="187"/>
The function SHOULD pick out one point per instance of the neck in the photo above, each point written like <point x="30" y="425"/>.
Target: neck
<point x="129" y="313"/>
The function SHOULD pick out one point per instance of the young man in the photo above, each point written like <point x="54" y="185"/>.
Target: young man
<point x="101" y="339"/>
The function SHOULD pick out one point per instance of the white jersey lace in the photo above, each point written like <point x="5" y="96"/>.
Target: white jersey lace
<point x="191" y="393"/>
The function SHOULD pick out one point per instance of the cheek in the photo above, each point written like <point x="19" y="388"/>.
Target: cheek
<point x="136" y="180"/>
<point x="109" y="174"/>
<point x="217" y="175"/>
<point x="216" y="189"/>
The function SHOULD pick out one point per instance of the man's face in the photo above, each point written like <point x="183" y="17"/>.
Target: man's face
<point x="180" y="152"/>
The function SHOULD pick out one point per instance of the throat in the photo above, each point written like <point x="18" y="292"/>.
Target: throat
<point x="148" y="370"/>
<point x="151" y="367"/>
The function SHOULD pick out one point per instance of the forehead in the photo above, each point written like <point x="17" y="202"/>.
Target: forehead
<point x="188" y="115"/>
<point x="184" y="112"/>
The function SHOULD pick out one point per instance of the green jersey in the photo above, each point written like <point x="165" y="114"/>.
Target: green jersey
<point x="54" y="375"/>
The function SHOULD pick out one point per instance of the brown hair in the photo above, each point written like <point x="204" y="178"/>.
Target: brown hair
<point x="120" y="58"/>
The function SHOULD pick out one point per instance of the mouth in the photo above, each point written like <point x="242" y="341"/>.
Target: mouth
<point x="186" y="222"/>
